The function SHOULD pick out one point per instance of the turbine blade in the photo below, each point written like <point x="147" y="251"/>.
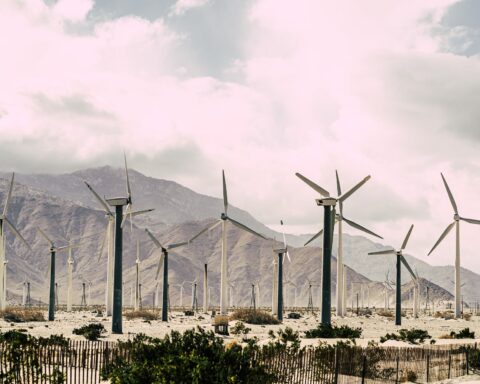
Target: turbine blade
<point x="129" y="191"/>
<point x="176" y="245"/>
<point x="210" y="227"/>
<point x="50" y="242"/>
<point x="125" y="215"/>
<point x="311" y="184"/>
<point x="442" y="236"/>
<point x="102" y="247"/>
<point x="319" y="233"/>
<point x="225" y="197"/>
<point x="339" y="192"/>
<point x="359" y="227"/>
<point x="9" y="195"/>
<point x="404" y="261"/>
<point x="471" y="221"/>
<point x="245" y="228"/>
<point x="404" y="244"/>
<point x="450" y="196"/>
<point x="346" y="195"/>
<point x="385" y="252"/>
<point x="136" y="213"/>
<point x="154" y="239"/>
<point x="15" y="231"/>
<point x="97" y="196"/>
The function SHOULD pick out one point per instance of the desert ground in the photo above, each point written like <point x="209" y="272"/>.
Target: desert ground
<point x="373" y="326"/>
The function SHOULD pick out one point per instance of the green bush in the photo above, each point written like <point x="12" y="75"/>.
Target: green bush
<point x="251" y="316"/>
<point x="196" y="356"/>
<point x="294" y="315"/>
<point x="412" y="336"/>
<point x="90" y="331"/>
<point x="240" y="329"/>
<point x="463" y="334"/>
<point x="327" y="331"/>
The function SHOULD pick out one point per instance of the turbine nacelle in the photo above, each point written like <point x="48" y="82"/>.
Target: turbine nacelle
<point x="326" y="202"/>
<point x="456" y="217"/>
<point x="224" y="217"/>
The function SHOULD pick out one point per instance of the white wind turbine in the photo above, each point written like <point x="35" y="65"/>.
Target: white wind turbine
<point x="110" y="237"/>
<point x="456" y="223"/>
<point x="340" y="218"/>
<point x="3" y="261"/>
<point x="224" y="219"/>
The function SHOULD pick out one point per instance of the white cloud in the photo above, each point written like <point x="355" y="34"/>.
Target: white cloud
<point x="362" y="87"/>
<point x="73" y="10"/>
<point x="182" y="6"/>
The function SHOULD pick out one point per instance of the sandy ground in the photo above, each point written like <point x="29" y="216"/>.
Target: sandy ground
<point x="373" y="327"/>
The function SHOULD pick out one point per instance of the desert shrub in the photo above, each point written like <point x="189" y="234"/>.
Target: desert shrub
<point x="462" y="334"/>
<point x="467" y="316"/>
<point x="240" y="329"/>
<point x="196" y="356"/>
<point x="21" y="315"/>
<point x="90" y="331"/>
<point x="251" y="316"/>
<point x="412" y="336"/>
<point x="385" y="313"/>
<point x="294" y="315"/>
<point x="327" y="331"/>
<point x="189" y="313"/>
<point x="411" y="376"/>
<point x="141" y="314"/>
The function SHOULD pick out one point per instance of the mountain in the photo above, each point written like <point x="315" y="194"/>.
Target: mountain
<point x="65" y="209"/>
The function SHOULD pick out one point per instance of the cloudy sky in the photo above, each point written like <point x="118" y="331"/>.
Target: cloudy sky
<point x="262" y="88"/>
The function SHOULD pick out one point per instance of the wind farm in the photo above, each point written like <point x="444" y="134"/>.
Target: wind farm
<point x="199" y="191"/>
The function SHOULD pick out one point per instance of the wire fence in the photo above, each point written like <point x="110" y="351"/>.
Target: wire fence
<point x="81" y="362"/>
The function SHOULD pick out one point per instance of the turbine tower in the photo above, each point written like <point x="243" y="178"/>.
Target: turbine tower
<point x="163" y="260"/>
<point x="3" y="261"/>
<point x="400" y="260"/>
<point x="329" y="203"/>
<point x="224" y="219"/>
<point x="340" y="218"/>
<point x="456" y="223"/>
<point x="137" y="279"/>
<point x="109" y="241"/>
<point x="120" y="218"/>
<point x="53" y="250"/>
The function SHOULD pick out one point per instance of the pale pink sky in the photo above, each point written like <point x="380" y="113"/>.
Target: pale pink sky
<point x="374" y="87"/>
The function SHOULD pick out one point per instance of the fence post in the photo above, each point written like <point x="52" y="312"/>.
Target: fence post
<point x="428" y="367"/>
<point x="398" y="367"/>
<point x="337" y="351"/>
<point x="450" y="364"/>
<point x="364" y="368"/>
<point x="466" y="358"/>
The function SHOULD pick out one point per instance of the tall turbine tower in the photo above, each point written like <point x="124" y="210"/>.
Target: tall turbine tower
<point x="340" y="218"/>
<point x="400" y="260"/>
<point x="109" y="242"/>
<point x="329" y="203"/>
<point x="456" y="223"/>
<point x="3" y="261"/>
<point x="224" y="219"/>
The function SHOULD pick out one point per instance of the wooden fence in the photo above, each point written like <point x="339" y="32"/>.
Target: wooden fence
<point x="80" y="362"/>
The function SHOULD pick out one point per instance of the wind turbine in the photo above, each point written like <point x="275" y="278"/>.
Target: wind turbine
<point x="400" y="260"/>
<point x="224" y="218"/>
<point x="340" y="218"/>
<point x="205" y="288"/>
<point x="329" y="203"/>
<point x="119" y="203"/>
<point x="280" y="252"/>
<point x="53" y="250"/>
<point x="3" y="261"/>
<point x="456" y="223"/>
<point x="163" y="260"/>
<point x="109" y="241"/>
